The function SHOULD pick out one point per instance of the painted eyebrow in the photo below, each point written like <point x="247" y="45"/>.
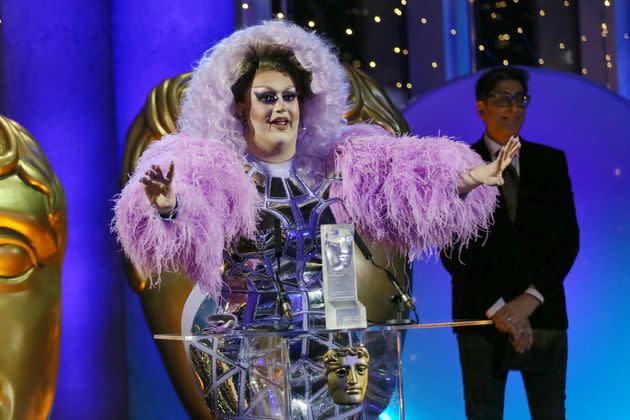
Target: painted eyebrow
<point x="272" y="89"/>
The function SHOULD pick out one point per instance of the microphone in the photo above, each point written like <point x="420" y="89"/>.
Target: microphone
<point x="283" y="298"/>
<point x="404" y="296"/>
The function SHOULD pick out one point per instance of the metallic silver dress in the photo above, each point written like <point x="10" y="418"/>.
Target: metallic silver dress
<point x="261" y="376"/>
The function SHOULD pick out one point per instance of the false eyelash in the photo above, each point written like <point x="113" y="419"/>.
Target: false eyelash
<point x="266" y="97"/>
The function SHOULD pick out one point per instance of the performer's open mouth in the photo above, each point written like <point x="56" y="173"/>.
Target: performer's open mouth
<point x="280" y="123"/>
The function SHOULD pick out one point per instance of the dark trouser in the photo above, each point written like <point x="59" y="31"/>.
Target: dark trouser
<point x="486" y="360"/>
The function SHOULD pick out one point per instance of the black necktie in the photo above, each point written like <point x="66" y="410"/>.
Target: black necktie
<point x="509" y="191"/>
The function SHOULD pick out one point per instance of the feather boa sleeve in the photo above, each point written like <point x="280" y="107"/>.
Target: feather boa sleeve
<point x="216" y="204"/>
<point x="402" y="192"/>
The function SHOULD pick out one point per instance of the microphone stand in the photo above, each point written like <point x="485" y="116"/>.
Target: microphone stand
<point x="401" y="298"/>
<point x="283" y="301"/>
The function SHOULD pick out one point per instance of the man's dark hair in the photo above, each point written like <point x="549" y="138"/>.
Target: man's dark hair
<point x="489" y="80"/>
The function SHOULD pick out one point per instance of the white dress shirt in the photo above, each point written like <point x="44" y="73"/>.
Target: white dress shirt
<point x="494" y="148"/>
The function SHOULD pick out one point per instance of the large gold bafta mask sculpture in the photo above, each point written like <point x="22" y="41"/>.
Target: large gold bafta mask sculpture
<point x="32" y="244"/>
<point x="346" y="370"/>
<point x="163" y="306"/>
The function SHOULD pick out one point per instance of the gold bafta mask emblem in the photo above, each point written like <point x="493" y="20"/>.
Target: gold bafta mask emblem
<point x="347" y="374"/>
<point x="32" y="244"/>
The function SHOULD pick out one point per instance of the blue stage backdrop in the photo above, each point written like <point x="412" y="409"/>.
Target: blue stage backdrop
<point x="622" y="46"/>
<point x="591" y="125"/>
<point x="152" y="41"/>
<point x="75" y="74"/>
<point x="57" y="82"/>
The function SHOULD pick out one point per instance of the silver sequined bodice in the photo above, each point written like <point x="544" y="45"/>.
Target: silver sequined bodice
<point x="292" y="210"/>
<point x="291" y="213"/>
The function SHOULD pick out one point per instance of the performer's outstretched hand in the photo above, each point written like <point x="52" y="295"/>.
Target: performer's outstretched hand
<point x="158" y="188"/>
<point x="490" y="173"/>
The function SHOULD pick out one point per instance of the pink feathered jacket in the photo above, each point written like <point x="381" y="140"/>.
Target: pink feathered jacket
<point x="400" y="192"/>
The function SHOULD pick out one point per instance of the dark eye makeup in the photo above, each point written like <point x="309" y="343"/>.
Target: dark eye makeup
<point x="270" y="97"/>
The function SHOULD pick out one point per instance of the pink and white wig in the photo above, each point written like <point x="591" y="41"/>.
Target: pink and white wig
<point x="208" y="110"/>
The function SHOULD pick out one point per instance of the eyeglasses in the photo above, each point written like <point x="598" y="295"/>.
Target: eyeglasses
<point x="505" y="100"/>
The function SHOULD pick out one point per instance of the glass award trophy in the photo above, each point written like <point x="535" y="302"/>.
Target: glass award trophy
<point x="343" y="309"/>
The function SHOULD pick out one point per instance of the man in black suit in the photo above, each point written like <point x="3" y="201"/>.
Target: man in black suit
<point x="514" y="274"/>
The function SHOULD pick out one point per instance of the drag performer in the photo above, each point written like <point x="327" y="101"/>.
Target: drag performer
<point x="235" y="199"/>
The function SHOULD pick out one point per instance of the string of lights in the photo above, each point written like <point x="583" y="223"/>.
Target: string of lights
<point x="372" y="36"/>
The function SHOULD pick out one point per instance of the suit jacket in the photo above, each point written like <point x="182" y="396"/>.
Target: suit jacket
<point x="539" y="248"/>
